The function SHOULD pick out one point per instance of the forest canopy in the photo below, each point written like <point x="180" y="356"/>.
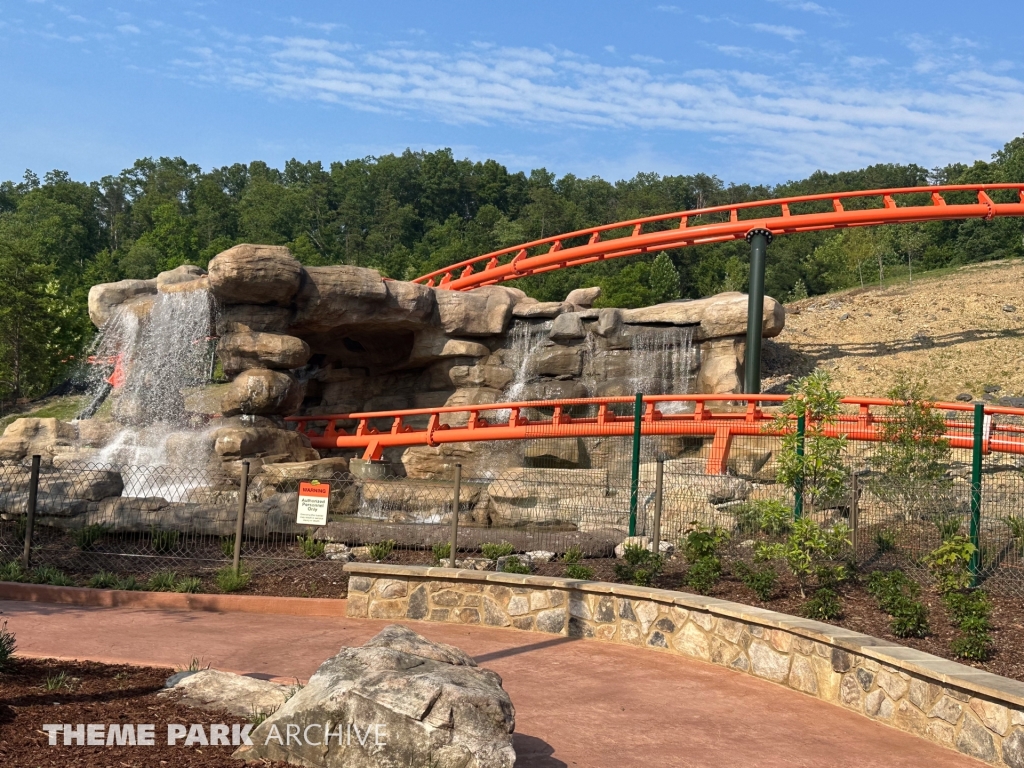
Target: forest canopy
<point x="411" y="213"/>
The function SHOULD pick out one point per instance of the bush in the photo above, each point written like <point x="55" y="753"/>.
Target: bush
<point x="950" y="564"/>
<point x="825" y="605"/>
<point x="513" y="564"/>
<point x="762" y="580"/>
<point x="494" y="551"/>
<point x="703" y="542"/>
<point x="639" y="566"/>
<point x="578" y="571"/>
<point x="970" y="611"/>
<point x="442" y="552"/>
<point x="189" y="585"/>
<point x="810" y="551"/>
<point x="104" y="580"/>
<point x="896" y="594"/>
<point x="909" y="619"/>
<point x="573" y="554"/>
<point x="1016" y="525"/>
<point x="129" y="584"/>
<point x="948" y="526"/>
<point x="764" y="516"/>
<point x="12" y="571"/>
<point x="162" y="581"/>
<point x="885" y="540"/>
<point x="382" y="549"/>
<point x="311" y="548"/>
<point x="704" y="574"/>
<point x="229" y="581"/>
<point x="227" y="546"/>
<point x="163" y="542"/>
<point x="8" y="645"/>
<point x="967" y="605"/>
<point x="86" y="537"/>
<point x="47" y="574"/>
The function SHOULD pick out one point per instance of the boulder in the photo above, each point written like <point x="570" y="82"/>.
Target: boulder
<point x="565" y="452"/>
<point x="432" y="703"/>
<point x="608" y="321"/>
<point x="258" y="318"/>
<point x="343" y="296"/>
<point x="722" y="315"/>
<point x="540" y="309"/>
<point x="584" y="298"/>
<point x="215" y="691"/>
<point x="481" y="312"/>
<point x="230" y="443"/>
<point x="553" y="389"/>
<point x="106" y="297"/>
<point x="262" y="392"/>
<point x="255" y="274"/>
<point x="431" y="344"/>
<point x="320" y="469"/>
<point x="477" y="460"/>
<point x="452" y="374"/>
<point x="567" y="327"/>
<point x="721" y="365"/>
<point x="241" y="351"/>
<point x="186" y="273"/>
<point x="545" y="496"/>
<point x="30" y="436"/>
<point x="468" y="396"/>
<point x="415" y="501"/>
<point x="557" y="360"/>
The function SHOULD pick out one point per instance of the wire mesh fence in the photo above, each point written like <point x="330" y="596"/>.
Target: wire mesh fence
<point x="586" y="491"/>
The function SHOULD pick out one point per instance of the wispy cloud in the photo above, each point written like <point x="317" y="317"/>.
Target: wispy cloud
<point x="790" y="33"/>
<point x="799" y="122"/>
<point x="128" y="29"/>
<point x="669" y="9"/>
<point x="807" y="7"/>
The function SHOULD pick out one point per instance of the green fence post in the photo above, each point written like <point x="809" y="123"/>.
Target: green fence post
<point x="798" y="501"/>
<point x="634" y="480"/>
<point x="979" y="434"/>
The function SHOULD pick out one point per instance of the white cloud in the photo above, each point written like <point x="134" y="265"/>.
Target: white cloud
<point x="128" y="29"/>
<point x="807" y="7"/>
<point x="793" y="122"/>
<point x="790" y="33"/>
<point x="646" y="59"/>
<point x="669" y="9"/>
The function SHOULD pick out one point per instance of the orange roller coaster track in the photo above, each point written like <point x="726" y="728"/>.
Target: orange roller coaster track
<point x="726" y="223"/>
<point x="737" y="415"/>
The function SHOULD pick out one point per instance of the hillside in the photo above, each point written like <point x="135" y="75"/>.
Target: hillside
<point x="960" y="331"/>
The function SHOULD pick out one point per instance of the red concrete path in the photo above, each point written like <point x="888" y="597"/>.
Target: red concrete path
<point x="578" y="703"/>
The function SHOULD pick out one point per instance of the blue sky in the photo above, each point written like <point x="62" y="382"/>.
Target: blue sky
<point x="762" y="91"/>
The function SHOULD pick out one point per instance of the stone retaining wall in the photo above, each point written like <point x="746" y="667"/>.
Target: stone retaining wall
<point x="959" y="707"/>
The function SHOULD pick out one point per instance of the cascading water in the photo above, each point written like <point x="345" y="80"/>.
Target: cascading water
<point x="662" y="363"/>
<point x="160" y="355"/>
<point x="523" y="340"/>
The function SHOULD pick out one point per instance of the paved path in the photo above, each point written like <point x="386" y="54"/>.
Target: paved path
<point x="578" y="703"/>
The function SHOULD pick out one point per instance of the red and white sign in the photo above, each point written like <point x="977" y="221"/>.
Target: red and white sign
<point x="313" y="500"/>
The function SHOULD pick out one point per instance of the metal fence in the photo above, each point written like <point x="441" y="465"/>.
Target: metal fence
<point x="536" y="494"/>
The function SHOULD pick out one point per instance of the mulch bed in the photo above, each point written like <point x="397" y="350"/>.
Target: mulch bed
<point x="98" y="693"/>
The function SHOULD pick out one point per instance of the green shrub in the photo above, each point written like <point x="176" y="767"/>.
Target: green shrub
<point x="810" y="551"/>
<point x="382" y="549"/>
<point x="573" y="554"/>
<point x="47" y="574"/>
<point x="639" y="565"/>
<point x="227" y="546"/>
<point x="825" y="605"/>
<point x="703" y="542"/>
<point x="909" y="618"/>
<point x="973" y="604"/>
<point x="1016" y="525"/>
<point x="312" y="548"/>
<point x="950" y="564"/>
<point x="442" y="552"/>
<point x="85" y="538"/>
<point x="8" y="645"/>
<point x="162" y="581"/>
<point x="948" y="526"/>
<point x="896" y="594"/>
<point x="230" y="581"/>
<point x="885" y="540"/>
<point x="493" y="551"/>
<point x="189" y="585"/>
<point x="704" y="574"/>
<point x="762" y="580"/>
<point x="764" y="516"/>
<point x="512" y="564"/>
<point x="104" y="580"/>
<point x="129" y="584"/>
<point x="578" y="571"/>
<point x="163" y="542"/>
<point x="12" y="571"/>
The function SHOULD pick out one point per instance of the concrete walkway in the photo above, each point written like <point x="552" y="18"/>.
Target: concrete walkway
<point x="578" y="703"/>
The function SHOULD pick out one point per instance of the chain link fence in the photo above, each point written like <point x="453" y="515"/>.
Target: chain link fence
<point x="548" y="494"/>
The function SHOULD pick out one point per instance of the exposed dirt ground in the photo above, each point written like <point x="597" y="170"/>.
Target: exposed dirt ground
<point x="959" y="332"/>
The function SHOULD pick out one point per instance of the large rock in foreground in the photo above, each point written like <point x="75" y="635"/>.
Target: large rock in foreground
<point x="424" y="704"/>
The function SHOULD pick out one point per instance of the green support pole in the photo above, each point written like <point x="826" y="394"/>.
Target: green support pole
<point x="758" y="239"/>
<point x="798" y="501"/>
<point x="634" y="480"/>
<point x="979" y="434"/>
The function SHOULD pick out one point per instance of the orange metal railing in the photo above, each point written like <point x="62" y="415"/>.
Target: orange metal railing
<point x="734" y="415"/>
<point x="685" y="228"/>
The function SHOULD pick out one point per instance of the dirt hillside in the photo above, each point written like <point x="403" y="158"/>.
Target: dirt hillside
<point x="960" y="332"/>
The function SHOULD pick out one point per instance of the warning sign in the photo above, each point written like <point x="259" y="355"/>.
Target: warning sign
<point x="313" y="500"/>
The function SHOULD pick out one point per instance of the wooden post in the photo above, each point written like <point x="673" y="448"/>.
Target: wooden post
<point x="240" y="522"/>
<point x="454" y="546"/>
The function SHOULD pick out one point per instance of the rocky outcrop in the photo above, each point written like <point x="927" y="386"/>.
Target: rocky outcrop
<point x="180" y="278"/>
<point x="242" y="351"/>
<point x="257" y="318"/>
<point x="262" y="392"/>
<point x="233" y="443"/>
<point x="432" y="703"/>
<point x="215" y="691"/>
<point x="255" y="274"/>
<point x="107" y="297"/>
<point x="583" y="298"/>
<point x="713" y="317"/>
<point x="483" y="312"/>
<point x="32" y="436"/>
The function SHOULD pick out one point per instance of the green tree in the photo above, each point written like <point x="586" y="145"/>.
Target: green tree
<point x="664" y="279"/>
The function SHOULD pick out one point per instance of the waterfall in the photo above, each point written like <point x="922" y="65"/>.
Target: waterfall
<point x="662" y="363"/>
<point x="522" y="341"/>
<point x="159" y="356"/>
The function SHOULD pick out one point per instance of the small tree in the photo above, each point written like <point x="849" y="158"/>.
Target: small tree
<point x="664" y="278"/>
<point x="819" y="469"/>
